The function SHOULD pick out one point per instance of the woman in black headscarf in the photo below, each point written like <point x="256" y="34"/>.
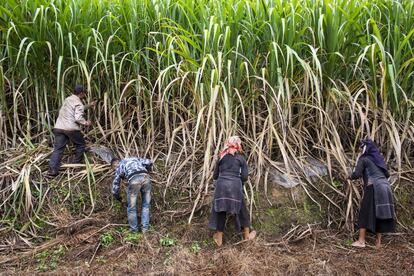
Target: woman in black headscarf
<point x="376" y="214"/>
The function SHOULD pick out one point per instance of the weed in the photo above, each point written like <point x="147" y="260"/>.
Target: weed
<point x="42" y="267"/>
<point x="107" y="239"/>
<point x="209" y="242"/>
<point x="117" y="206"/>
<point x="196" y="247"/>
<point x="61" y="193"/>
<point x="337" y="184"/>
<point x="42" y="260"/>
<point x="36" y="193"/>
<point x="167" y="241"/>
<point x="40" y="222"/>
<point x="59" y="252"/>
<point x="122" y="230"/>
<point x="49" y="260"/>
<point x="133" y="238"/>
<point x="347" y="242"/>
<point x="79" y="202"/>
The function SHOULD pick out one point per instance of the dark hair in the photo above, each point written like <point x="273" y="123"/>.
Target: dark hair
<point x="79" y="89"/>
<point x="114" y="160"/>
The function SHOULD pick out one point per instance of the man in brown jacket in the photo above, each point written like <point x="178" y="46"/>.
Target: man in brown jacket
<point x="67" y="129"/>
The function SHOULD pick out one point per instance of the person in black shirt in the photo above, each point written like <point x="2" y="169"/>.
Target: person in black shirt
<point x="230" y="173"/>
<point x="376" y="214"/>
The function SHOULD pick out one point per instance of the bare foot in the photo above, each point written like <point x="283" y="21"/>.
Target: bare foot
<point x="252" y="235"/>
<point x="377" y="245"/>
<point x="358" y="244"/>
<point x="218" y="238"/>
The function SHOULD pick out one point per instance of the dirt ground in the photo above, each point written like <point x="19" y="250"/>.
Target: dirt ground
<point x="189" y="250"/>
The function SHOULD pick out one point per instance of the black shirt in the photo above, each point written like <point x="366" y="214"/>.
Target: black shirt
<point x="232" y="165"/>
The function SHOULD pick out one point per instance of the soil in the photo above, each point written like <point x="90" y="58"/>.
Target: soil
<point x="188" y="250"/>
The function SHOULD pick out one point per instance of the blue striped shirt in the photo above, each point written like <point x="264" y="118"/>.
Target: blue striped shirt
<point x="127" y="168"/>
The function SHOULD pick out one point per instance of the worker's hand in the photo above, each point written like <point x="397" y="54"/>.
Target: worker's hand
<point x="118" y="197"/>
<point x="88" y="123"/>
<point x="93" y="103"/>
<point x="149" y="168"/>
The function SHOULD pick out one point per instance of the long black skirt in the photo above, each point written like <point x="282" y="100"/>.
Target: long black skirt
<point x="367" y="217"/>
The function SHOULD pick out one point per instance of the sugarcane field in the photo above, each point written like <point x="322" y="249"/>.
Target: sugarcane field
<point x="207" y="137"/>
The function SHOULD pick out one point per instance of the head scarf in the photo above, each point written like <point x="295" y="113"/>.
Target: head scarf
<point x="232" y="146"/>
<point x="371" y="150"/>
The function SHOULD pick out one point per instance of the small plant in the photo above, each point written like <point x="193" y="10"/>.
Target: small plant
<point x="122" y="230"/>
<point x="347" y="242"/>
<point x="117" y="206"/>
<point x="208" y="243"/>
<point x="42" y="267"/>
<point x="59" y="252"/>
<point x="167" y="241"/>
<point x="40" y="222"/>
<point x="133" y="238"/>
<point x="49" y="260"/>
<point x="337" y="184"/>
<point x="196" y="247"/>
<point x="42" y="260"/>
<point x="78" y="203"/>
<point x="107" y="239"/>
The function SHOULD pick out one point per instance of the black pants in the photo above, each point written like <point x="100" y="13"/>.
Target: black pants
<point x="62" y="138"/>
<point x="242" y="219"/>
<point x="221" y="221"/>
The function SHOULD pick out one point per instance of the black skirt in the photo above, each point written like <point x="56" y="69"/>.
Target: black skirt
<point x="367" y="217"/>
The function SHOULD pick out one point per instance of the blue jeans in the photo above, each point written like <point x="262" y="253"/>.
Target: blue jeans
<point x="140" y="183"/>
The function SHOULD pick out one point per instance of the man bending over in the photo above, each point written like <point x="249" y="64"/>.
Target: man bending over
<point x="134" y="170"/>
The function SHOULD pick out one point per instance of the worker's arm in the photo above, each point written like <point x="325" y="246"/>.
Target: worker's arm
<point x="117" y="181"/>
<point x="79" y="111"/>
<point x="147" y="163"/>
<point x="216" y="171"/>
<point x="244" y="173"/>
<point x="359" y="169"/>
